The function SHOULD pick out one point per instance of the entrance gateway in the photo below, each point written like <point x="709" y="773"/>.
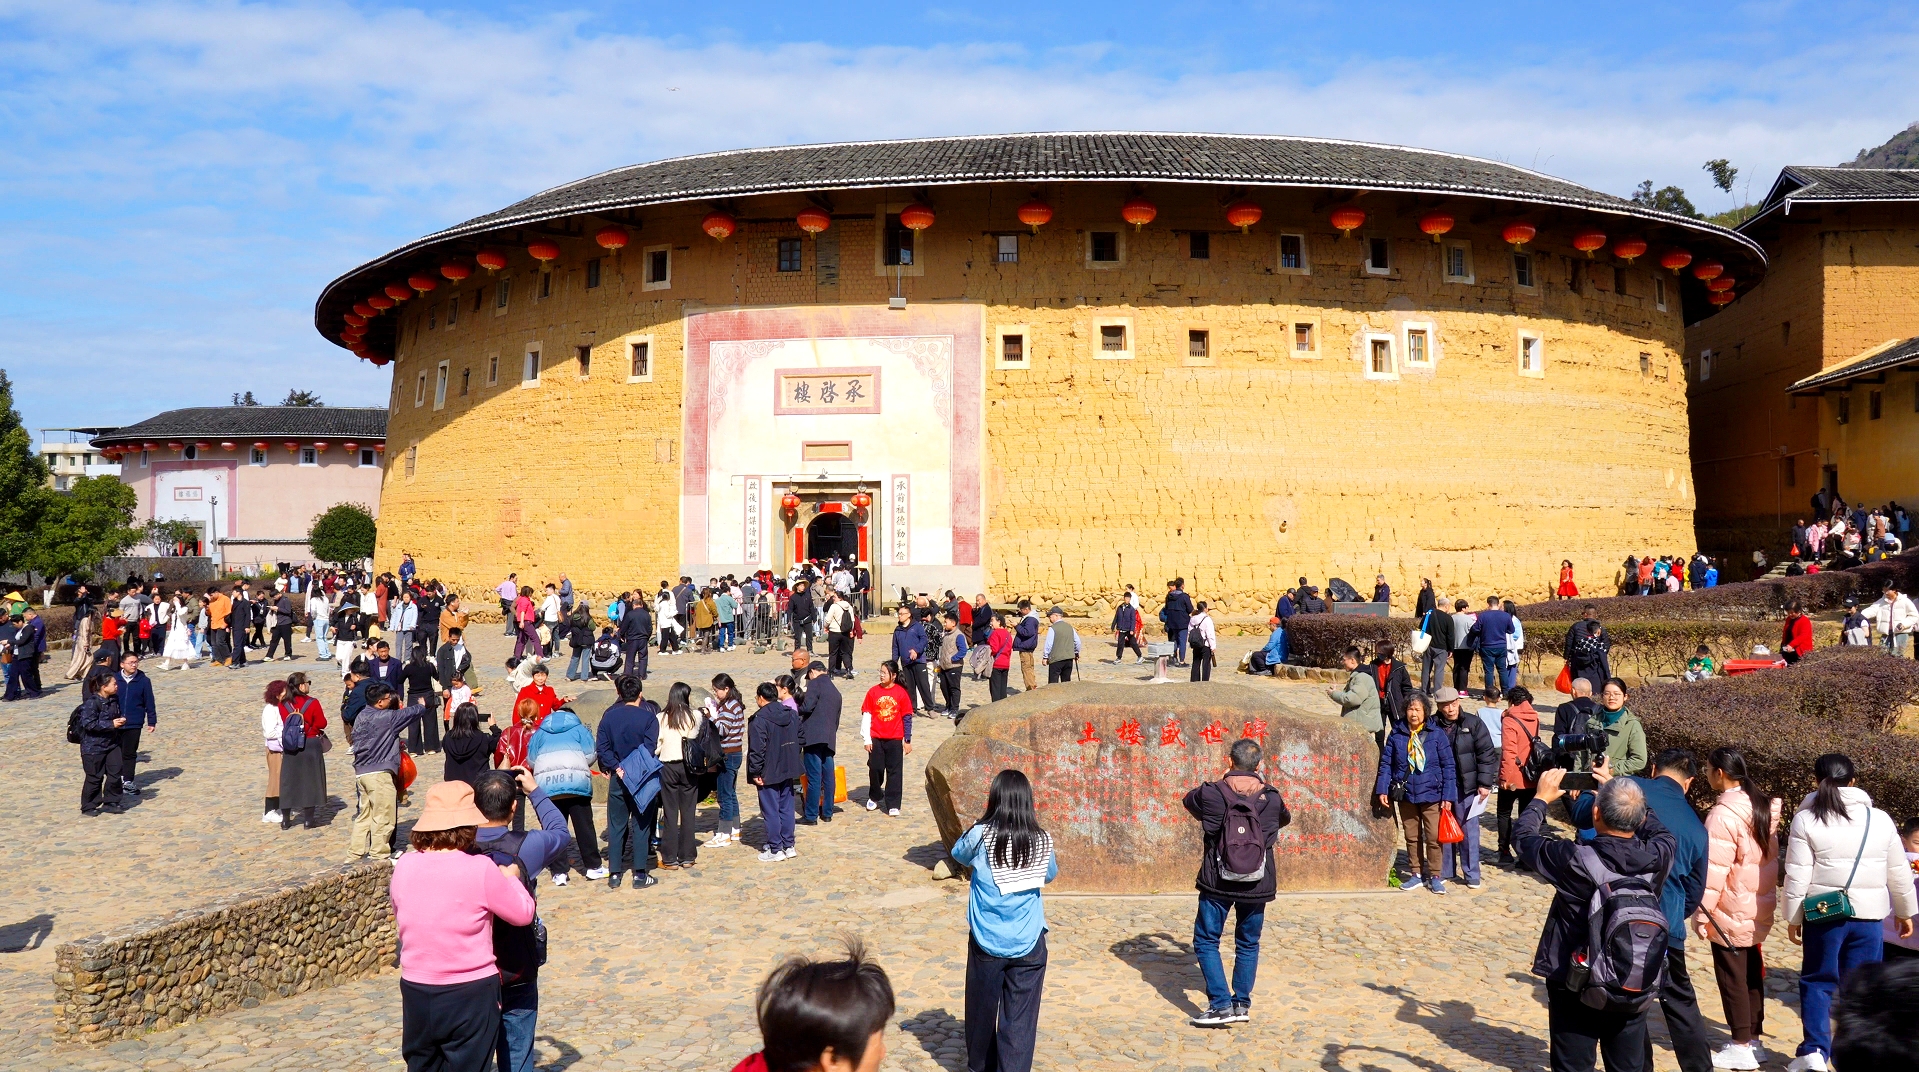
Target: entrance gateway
<point x="820" y="404"/>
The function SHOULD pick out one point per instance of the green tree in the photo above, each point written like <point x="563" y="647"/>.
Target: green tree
<point x="1667" y="199"/>
<point x="301" y="398"/>
<point x="92" y="521"/>
<point x="343" y="534"/>
<point x="24" y="495"/>
<point x="1722" y="172"/>
<point x="168" y="534"/>
<point x="245" y="399"/>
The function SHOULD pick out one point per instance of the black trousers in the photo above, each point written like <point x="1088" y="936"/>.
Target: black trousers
<point x="428" y="724"/>
<point x="679" y="793"/>
<point x="1462" y="669"/>
<point x="803" y="635"/>
<point x="885" y="765"/>
<point x="996" y="685"/>
<point x="636" y="660"/>
<point x="221" y="643"/>
<point x="129" y="749"/>
<point x="1577" y="1034"/>
<point x="950" y="690"/>
<point x="282" y="635"/>
<point x="578" y="810"/>
<point x="1202" y="663"/>
<point x="1127" y="639"/>
<point x="1684" y="1025"/>
<point x="1511" y="802"/>
<point x="917" y="688"/>
<point x="839" y="653"/>
<point x="1059" y="672"/>
<point x="30" y="674"/>
<point x="452" y="1028"/>
<point x="100" y="770"/>
<point x="1002" y="1007"/>
<point x="239" y="647"/>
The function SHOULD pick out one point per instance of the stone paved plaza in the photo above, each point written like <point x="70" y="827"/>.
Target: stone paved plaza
<point x="664" y="978"/>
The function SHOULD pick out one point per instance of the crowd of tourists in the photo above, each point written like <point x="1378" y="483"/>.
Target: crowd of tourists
<point x="1840" y="536"/>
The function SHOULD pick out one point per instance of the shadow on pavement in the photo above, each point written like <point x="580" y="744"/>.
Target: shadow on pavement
<point x="935" y="1029"/>
<point x="1334" y="1059"/>
<point x="1458" y="1025"/>
<point x="567" y="1059"/>
<point x="926" y="855"/>
<point x="1167" y="965"/>
<point x="26" y="934"/>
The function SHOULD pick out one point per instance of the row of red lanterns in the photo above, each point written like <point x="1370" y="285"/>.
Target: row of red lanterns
<point x="292" y="446"/>
<point x="790" y="502"/>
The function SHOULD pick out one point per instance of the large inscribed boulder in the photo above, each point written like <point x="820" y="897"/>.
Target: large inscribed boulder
<point x="1110" y="763"/>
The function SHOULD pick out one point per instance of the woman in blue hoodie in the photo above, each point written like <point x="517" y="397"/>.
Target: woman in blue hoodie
<point x="561" y="755"/>
<point x="1416" y="774"/>
<point x="1011" y="858"/>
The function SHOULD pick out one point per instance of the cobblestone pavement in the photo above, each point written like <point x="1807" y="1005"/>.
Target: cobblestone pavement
<point x="664" y="978"/>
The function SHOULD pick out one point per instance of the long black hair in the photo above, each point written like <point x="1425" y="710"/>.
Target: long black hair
<point x="1732" y="763"/>
<point x="679" y="708"/>
<point x="1834" y="770"/>
<point x="466" y="722"/>
<point x="1009" y="811"/>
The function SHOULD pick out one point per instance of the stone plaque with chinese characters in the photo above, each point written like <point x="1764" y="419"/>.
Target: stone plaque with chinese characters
<point x="826" y="390"/>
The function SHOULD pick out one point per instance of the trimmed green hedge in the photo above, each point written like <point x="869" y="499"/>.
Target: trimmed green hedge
<point x="1837" y="700"/>
<point x="1746" y="600"/>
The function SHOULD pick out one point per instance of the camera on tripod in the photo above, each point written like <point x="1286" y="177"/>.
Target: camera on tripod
<point x="1574" y="754"/>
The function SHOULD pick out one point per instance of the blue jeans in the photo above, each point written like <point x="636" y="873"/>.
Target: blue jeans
<point x="322" y="630"/>
<point x="725" y="636"/>
<point x="1179" y="645"/>
<point x="726" y="788"/>
<point x="1461" y="861"/>
<point x="1499" y="676"/>
<point x="820" y="779"/>
<point x="519" y="1016"/>
<point x="1832" y="951"/>
<point x="578" y="668"/>
<point x="1206" y="930"/>
<point x="629" y="831"/>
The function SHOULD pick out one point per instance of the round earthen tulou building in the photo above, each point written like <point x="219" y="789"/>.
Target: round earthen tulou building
<point x="1044" y="364"/>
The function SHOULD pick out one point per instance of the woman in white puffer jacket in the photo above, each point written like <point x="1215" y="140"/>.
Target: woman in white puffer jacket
<point x="1839" y="841"/>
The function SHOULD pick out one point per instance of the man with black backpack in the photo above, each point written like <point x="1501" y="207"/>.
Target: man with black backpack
<point x="519" y="951"/>
<point x="1240" y="817"/>
<point x="1603" y="950"/>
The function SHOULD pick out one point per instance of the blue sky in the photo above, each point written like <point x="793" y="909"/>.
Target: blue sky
<point x="178" y="179"/>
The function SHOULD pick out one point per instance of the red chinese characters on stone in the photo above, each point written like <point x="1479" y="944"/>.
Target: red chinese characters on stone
<point x="1089" y="737"/>
<point x="1255" y="729"/>
<point x="1214" y="732"/>
<point x="1129" y="732"/>
<point x="1169" y="733"/>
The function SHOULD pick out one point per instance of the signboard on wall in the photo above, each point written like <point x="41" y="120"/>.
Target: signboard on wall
<point x="826" y="390"/>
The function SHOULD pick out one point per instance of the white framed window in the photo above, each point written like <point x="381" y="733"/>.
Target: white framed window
<point x="1009" y="249"/>
<point x="1523" y="271"/>
<point x="1705" y="368"/>
<point x="530" y="366"/>
<point x="1459" y="262"/>
<point x="1305" y="339"/>
<point x="1417" y="342"/>
<point x="145" y="458"/>
<point x="190" y="452"/>
<point x="256" y="456"/>
<point x="1376" y="350"/>
<point x="1294" y="257"/>
<point x="419" y="392"/>
<point x="309" y="456"/>
<point x="368" y="457"/>
<point x="1105" y="249"/>
<point x="492" y="370"/>
<point x="1379" y="256"/>
<point x="502" y="295"/>
<point x="1012" y="346"/>
<point x="1659" y="292"/>
<point x="639" y="358"/>
<point x="656" y="267"/>
<point x="1198" y="342"/>
<point x="1532" y="354"/>
<point x="440" y="376"/>
<point x="1113" y="338"/>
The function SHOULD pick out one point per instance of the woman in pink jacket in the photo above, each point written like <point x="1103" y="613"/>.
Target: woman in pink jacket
<point x="1742" y="892"/>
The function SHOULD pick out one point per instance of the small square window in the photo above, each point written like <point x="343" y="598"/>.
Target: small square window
<point x="789" y="255"/>
<point x="1009" y="249"/>
<point x="530" y="368"/>
<point x="466" y="380"/>
<point x="1198" y="343"/>
<point x="256" y="456"/>
<point x="641" y="354"/>
<point x="1303" y="342"/>
<point x="1845" y="409"/>
<point x="492" y="369"/>
<point x="1659" y="293"/>
<point x="899" y="244"/>
<point x="309" y="456"/>
<point x="1199" y="245"/>
<point x="1417" y="352"/>
<point x="1292" y="252"/>
<point x="1522" y="269"/>
<point x="368" y="458"/>
<point x="1380" y="357"/>
<point x="453" y="310"/>
<point x="1112" y="337"/>
<point x="1105" y="247"/>
<point x="1379" y="254"/>
<point x="1459" y="262"/>
<point x="593" y="273"/>
<point x="502" y="293"/>
<point x="659" y="266"/>
<point x="1013" y="349"/>
<point x="1872" y="407"/>
<point x="1532" y="360"/>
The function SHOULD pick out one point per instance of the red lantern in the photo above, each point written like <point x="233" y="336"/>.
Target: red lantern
<point x="1722" y="297"/>
<point x="1347" y="220"/>
<point x="490" y="259"/>
<point x="292" y="447"/>
<point x="320" y="446"/>
<point x="364" y="309"/>
<point x="229" y="444"/>
<point x="355" y="320"/>
<point x="1518" y="234"/>
<point x="1587" y="241"/>
<point x="149" y="446"/>
<point x="916" y="217"/>
<point x="1722" y="282"/>
<point x="613" y="239"/>
<point x="813" y="220"/>
<point x="789" y="502"/>
<point x="456" y="270"/>
<point x="1707" y="270"/>
<point x="543" y="251"/>
<point x="350" y="446"/>
<point x="1138" y="211"/>
<point x="1035" y="214"/>
<point x="1629" y="249"/>
<point x="174" y="445"/>
<point x="422" y="282"/>
<point x="1243" y="214"/>
<point x="380" y="302"/>
<point x="719" y="224"/>
<point x="1675" y="259"/>
<point x="1436" y="224"/>
<point x="379" y="448"/>
<point x="399" y="292"/>
<point x="260" y="444"/>
<point x="203" y="446"/>
<point x="378" y="360"/>
<point x="861" y="500"/>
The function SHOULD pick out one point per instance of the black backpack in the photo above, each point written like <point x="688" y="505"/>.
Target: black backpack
<point x="1242" y="842"/>
<point x="74" y="733"/>
<point x="1625" y="952"/>
<point x="705" y="751"/>
<point x="293" y="733"/>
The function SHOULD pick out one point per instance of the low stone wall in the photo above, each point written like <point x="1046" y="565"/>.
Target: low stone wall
<point x="257" y="946"/>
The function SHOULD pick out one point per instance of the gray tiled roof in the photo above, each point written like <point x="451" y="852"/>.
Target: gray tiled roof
<point x="244" y="422"/>
<point x="1905" y="354"/>
<point x="1209" y="159"/>
<point x="1826" y="185"/>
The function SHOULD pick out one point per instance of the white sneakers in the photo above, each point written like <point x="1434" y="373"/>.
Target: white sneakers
<point x="559" y="879"/>
<point x="767" y="856"/>
<point x="719" y="840"/>
<point x="792" y="853"/>
<point x="1735" y="1055"/>
<point x="270" y="817"/>
<point x="872" y="805"/>
<point x="597" y="873"/>
<point x="1810" y="1062"/>
<point x="894" y="812"/>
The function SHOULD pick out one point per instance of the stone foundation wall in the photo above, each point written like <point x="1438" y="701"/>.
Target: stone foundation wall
<point x="257" y="946"/>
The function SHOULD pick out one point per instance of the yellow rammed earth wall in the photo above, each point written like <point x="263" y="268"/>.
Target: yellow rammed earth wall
<point x="1240" y="470"/>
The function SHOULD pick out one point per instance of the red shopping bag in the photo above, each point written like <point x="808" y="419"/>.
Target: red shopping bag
<point x="1564" y="682"/>
<point x="1450" y="832"/>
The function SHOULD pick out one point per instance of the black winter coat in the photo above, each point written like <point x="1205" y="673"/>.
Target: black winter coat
<point x="636" y="625"/>
<point x="820" y="712"/>
<point x="1649" y="852"/>
<point x="1178" y="611"/>
<point x="773" y="745"/>
<point x="1207" y="803"/>
<point x="1395" y="691"/>
<point x="1439" y="626"/>
<point x="1475" y="754"/>
<point x="98" y="734"/>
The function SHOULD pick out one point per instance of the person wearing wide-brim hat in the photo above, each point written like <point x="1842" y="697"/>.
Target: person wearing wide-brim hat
<point x="444" y="902"/>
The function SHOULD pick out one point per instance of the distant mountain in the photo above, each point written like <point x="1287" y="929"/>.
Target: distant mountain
<point x="1902" y="151"/>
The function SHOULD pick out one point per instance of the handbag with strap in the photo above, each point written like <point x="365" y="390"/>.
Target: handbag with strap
<point x="1835" y="904"/>
<point x="1421" y="638"/>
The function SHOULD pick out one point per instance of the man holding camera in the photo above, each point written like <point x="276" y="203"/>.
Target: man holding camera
<point x="519" y="951"/>
<point x="1631" y="844"/>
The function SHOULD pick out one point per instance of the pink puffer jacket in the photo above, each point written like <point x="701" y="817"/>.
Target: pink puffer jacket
<point x="1742" y="882"/>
